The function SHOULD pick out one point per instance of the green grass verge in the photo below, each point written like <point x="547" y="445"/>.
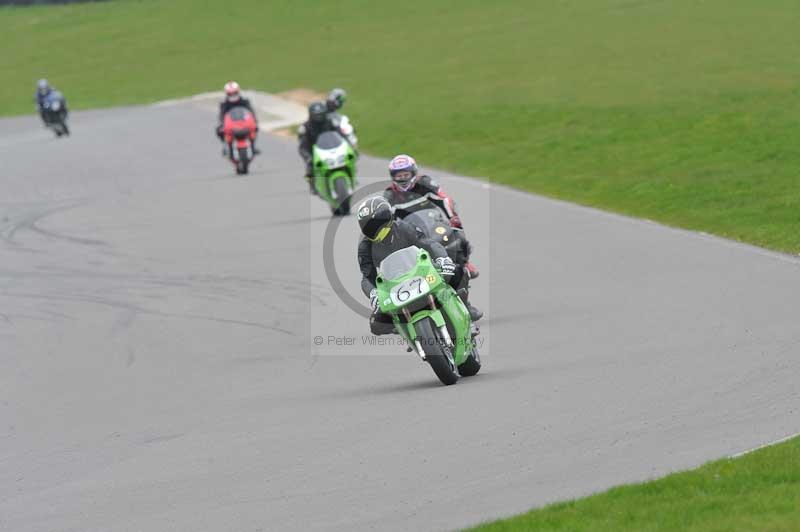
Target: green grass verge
<point x="680" y="111"/>
<point x="757" y="492"/>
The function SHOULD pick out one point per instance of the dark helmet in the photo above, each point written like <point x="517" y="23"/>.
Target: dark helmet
<point x="317" y="112"/>
<point x="43" y="87"/>
<point x="375" y="217"/>
<point x="336" y="99"/>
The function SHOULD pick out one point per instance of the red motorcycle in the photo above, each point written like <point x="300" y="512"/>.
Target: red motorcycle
<point x="239" y="132"/>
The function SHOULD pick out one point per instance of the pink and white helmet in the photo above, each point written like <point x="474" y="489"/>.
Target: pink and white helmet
<point x="403" y="169"/>
<point x="232" y="91"/>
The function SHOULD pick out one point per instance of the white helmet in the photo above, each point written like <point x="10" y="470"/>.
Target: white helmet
<point x="232" y="91"/>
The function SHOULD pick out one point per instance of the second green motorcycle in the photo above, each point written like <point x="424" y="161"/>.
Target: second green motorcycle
<point x="334" y="162"/>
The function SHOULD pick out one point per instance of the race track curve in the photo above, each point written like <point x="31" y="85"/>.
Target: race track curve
<point x="158" y="369"/>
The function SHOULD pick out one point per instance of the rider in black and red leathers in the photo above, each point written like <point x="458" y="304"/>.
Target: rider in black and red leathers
<point x="408" y="186"/>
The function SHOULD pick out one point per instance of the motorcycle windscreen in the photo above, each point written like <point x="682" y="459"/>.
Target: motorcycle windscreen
<point x="399" y="263"/>
<point x="329" y="140"/>
<point x="238" y="114"/>
<point x="432" y="222"/>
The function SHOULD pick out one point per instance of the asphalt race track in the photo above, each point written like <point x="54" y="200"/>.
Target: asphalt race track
<point x="157" y="367"/>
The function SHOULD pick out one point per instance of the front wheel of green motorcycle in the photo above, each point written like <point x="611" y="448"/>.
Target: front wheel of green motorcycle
<point x="342" y="196"/>
<point x="437" y="354"/>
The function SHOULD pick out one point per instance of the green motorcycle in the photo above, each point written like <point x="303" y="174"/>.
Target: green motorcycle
<point x="428" y="313"/>
<point x="334" y="161"/>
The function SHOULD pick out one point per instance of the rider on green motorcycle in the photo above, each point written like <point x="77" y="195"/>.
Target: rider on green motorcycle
<point x="335" y="100"/>
<point x="318" y="122"/>
<point x="383" y="235"/>
<point x="407" y="187"/>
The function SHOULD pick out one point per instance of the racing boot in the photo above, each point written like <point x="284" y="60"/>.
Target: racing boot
<point x="474" y="312"/>
<point x="380" y="325"/>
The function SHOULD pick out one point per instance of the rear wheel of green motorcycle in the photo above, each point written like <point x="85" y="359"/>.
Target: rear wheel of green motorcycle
<point x="472" y="365"/>
<point x="341" y="191"/>
<point x="437" y="354"/>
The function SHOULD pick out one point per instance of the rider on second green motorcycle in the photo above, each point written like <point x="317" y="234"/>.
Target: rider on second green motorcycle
<point x="383" y="235"/>
<point x="318" y="122"/>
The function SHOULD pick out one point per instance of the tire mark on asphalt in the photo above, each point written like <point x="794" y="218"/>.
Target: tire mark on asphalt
<point x="163" y="438"/>
<point x="123" y="322"/>
<point x="208" y="286"/>
<point x="28" y="220"/>
<point x="74" y="239"/>
<point x="131" y="358"/>
<point x="136" y="308"/>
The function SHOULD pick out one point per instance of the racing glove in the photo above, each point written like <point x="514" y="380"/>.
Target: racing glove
<point x="373" y="300"/>
<point x="446" y="266"/>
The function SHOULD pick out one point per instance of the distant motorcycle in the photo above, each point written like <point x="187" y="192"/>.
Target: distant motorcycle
<point x="54" y="113"/>
<point x="239" y="130"/>
<point x="334" y="163"/>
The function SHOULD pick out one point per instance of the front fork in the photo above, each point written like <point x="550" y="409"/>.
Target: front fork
<point x="436" y="315"/>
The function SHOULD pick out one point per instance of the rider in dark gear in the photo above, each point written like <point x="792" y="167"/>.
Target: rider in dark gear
<point x="45" y="91"/>
<point x="335" y="100"/>
<point x="383" y="235"/>
<point x="318" y="122"/>
<point x="409" y="190"/>
<point x="234" y="98"/>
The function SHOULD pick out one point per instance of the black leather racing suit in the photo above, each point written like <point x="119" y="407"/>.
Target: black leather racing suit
<point x="52" y="94"/>
<point x="370" y="255"/>
<point x="226" y="106"/>
<point x="307" y="135"/>
<point x="424" y="187"/>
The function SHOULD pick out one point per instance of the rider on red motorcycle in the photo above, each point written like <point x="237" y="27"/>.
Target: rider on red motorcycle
<point x="233" y="98"/>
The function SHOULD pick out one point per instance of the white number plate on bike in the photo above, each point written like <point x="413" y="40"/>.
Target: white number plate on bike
<point x="409" y="290"/>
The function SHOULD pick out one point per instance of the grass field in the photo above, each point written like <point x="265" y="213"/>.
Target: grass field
<point x="757" y="492"/>
<point x="680" y="111"/>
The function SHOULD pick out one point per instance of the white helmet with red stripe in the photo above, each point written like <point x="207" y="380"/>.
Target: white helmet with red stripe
<point x="403" y="169"/>
<point x="232" y="91"/>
